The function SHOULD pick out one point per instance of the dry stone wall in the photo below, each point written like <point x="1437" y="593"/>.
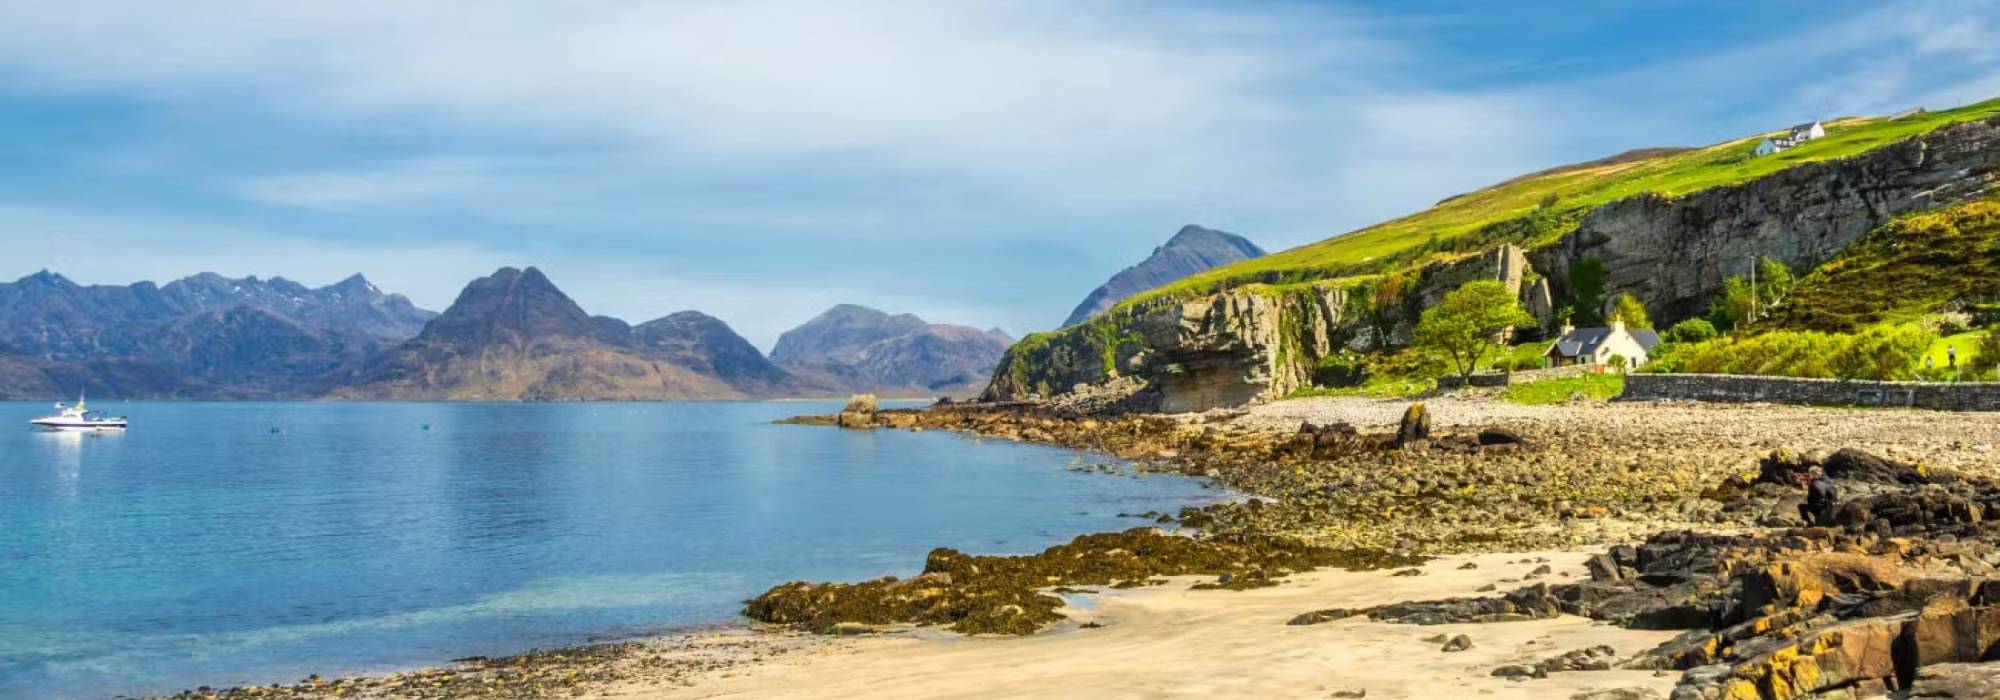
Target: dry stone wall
<point x="1736" y="388"/>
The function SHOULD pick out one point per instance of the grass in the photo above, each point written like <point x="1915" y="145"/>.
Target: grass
<point x="1557" y="198"/>
<point x="1967" y="344"/>
<point x="1902" y="271"/>
<point x="1596" y="387"/>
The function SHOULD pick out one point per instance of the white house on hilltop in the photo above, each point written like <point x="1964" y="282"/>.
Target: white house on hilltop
<point x="1794" y="136"/>
<point x="1596" y="346"/>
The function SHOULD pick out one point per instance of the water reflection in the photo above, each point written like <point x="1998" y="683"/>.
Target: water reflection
<point x="66" y="447"/>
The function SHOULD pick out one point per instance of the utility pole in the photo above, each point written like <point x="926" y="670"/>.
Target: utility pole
<point x="1753" y="289"/>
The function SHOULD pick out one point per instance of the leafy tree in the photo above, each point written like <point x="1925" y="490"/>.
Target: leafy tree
<point x="1985" y="353"/>
<point x="1617" y="362"/>
<point x="1693" y="330"/>
<point x="1586" y="291"/>
<point x="1631" y="311"/>
<point x="1731" y="309"/>
<point x="1469" y="323"/>
<point x="1774" y="281"/>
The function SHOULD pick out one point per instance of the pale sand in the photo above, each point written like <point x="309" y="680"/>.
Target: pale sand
<point x="1169" y="642"/>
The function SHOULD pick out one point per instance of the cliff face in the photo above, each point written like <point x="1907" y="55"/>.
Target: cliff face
<point x="1673" y="254"/>
<point x="1257" y="343"/>
<point x="1193" y="249"/>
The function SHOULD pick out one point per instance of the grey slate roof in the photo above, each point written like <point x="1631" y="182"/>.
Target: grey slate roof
<point x="1581" y="342"/>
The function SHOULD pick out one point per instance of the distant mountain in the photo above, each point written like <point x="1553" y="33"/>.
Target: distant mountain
<point x="514" y="336"/>
<point x="1194" y="249"/>
<point x="705" y="344"/>
<point x="205" y="336"/>
<point x="856" y="348"/>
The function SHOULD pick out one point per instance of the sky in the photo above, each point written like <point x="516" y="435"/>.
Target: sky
<point x="973" y="162"/>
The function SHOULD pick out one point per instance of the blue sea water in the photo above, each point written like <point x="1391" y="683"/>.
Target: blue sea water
<point x="232" y="543"/>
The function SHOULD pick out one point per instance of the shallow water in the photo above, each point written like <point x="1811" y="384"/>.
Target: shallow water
<point x="232" y="543"/>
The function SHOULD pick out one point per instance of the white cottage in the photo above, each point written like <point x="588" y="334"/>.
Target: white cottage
<point x="1595" y="346"/>
<point x="1793" y="137"/>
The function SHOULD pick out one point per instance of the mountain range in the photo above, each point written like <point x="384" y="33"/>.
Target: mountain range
<point x="1193" y="249"/>
<point x="512" y="335"/>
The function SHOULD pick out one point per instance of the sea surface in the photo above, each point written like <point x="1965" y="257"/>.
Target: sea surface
<point x="232" y="543"/>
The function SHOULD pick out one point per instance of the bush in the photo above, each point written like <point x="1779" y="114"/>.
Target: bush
<point x="1880" y="352"/>
<point x="1693" y="330"/>
<point x="1883" y="352"/>
<point x="1985" y="354"/>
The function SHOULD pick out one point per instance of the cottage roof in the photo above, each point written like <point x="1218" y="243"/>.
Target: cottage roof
<point x="1581" y="342"/>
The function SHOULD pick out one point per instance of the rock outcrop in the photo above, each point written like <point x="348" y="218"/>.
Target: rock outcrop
<point x="1193" y="249"/>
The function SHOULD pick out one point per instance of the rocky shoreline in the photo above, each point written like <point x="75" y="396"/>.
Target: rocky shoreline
<point x="1698" y="507"/>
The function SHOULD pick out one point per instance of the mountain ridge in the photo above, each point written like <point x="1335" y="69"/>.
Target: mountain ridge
<point x="1190" y="250"/>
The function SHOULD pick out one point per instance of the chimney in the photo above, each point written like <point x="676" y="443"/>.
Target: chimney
<point x="1567" y="327"/>
<point x="1617" y="325"/>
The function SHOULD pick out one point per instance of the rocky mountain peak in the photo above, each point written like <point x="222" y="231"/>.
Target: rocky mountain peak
<point x="1192" y="249"/>
<point x="510" y="304"/>
<point x="840" y="333"/>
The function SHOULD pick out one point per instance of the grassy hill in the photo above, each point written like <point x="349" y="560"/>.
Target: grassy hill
<point x="1902" y="271"/>
<point x="1541" y="207"/>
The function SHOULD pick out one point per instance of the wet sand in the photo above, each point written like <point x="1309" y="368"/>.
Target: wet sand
<point x="1168" y="642"/>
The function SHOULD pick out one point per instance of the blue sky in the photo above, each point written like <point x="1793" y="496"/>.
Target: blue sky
<point x="974" y="162"/>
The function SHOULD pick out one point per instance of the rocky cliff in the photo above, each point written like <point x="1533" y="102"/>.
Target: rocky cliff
<point x="1259" y="341"/>
<point x="1674" y="253"/>
<point x="852" y="348"/>
<point x="1193" y="249"/>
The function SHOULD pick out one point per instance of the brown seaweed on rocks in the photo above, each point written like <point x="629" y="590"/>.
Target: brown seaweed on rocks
<point x="1006" y="594"/>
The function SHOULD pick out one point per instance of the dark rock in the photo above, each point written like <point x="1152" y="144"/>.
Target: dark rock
<point x="1458" y="643"/>
<point x="1415" y="426"/>
<point x="1498" y="436"/>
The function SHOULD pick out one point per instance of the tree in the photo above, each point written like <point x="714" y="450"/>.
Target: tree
<point x="1586" y="290"/>
<point x="1469" y="323"/>
<point x="1631" y="311"/>
<point x="1731" y="308"/>
<point x="1985" y="353"/>
<point x="1774" y="281"/>
<point x="1693" y="330"/>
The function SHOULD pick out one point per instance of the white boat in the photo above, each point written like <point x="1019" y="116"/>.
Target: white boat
<point x="78" y="418"/>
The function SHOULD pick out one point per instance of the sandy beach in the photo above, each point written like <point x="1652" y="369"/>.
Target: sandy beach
<point x="1170" y="642"/>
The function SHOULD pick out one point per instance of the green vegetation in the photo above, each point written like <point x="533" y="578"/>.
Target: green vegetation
<point x="1631" y="312"/>
<point x="1464" y="325"/>
<point x="1909" y="268"/>
<point x="1541" y="207"/>
<point x="1985" y="356"/>
<point x="1693" y="330"/>
<point x="1879" y="352"/>
<point x="1596" y="387"/>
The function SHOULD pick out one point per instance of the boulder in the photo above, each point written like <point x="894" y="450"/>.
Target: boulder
<point x="1416" y="425"/>
<point x="859" y="412"/>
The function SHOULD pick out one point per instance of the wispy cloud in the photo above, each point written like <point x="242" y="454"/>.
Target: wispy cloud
<point x="985" y="158"/>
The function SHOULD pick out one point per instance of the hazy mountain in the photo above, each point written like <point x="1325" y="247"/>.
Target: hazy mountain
<point x="856" y="348"/>
<point x="1194" y="249"/>
<point x="705" y="344"/>
<point x="202" y="336"/>
<point x="514" y="336"/>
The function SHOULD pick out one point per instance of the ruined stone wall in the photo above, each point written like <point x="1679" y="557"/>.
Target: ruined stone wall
<point x="1734" y="388"/>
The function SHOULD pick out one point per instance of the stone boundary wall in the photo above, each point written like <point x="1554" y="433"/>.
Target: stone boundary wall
<point x="1737" y="388"/>
<point x="1451" y="381"/>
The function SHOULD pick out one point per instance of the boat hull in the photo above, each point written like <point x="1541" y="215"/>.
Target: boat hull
<point x="78" y="426"/>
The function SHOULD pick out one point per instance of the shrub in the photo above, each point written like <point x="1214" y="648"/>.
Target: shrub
<point x="1985" y="354"/>
<point x="1693" y="330"/>
<point x="1883" y="352"/>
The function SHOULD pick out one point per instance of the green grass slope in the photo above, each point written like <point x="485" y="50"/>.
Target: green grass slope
<point x="1540" y="208"/>
<point x="1916" y="265"/>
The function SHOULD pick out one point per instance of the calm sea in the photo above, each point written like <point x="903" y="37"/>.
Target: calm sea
<point x="233" y="543"/>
